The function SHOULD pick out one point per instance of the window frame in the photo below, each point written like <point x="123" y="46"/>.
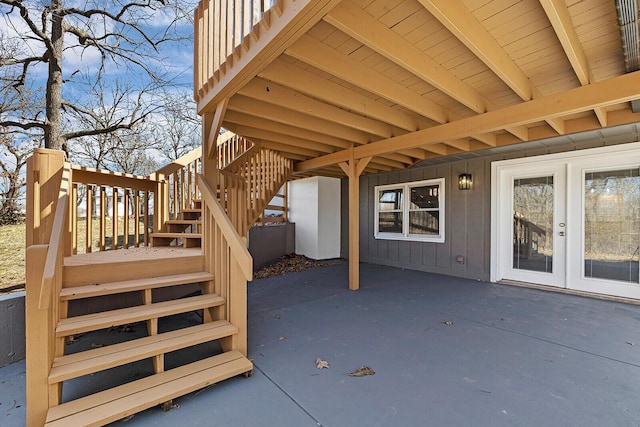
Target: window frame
<point x="406" y="209"/>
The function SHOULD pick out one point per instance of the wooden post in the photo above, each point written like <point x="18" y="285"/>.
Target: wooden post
<point x="44" y="174"/>
<point x="353" y="169"/>
<point x="44" y="177"/>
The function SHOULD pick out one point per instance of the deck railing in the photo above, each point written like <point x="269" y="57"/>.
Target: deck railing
<point x="227" y="258"/>
<point x="222" y="27"/>
<point x="119" y="203"/>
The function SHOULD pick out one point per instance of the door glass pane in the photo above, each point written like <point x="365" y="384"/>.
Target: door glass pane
<point x="612" y="224"/>
<point x="533" y="224"/>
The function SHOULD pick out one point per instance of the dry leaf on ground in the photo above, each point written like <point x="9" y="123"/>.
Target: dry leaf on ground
<point x="321" y="364"/>
<point x="362" y="371"/>
<point x="289" y="264"/>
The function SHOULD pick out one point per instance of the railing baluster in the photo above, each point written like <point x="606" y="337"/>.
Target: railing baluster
<point x="125" y="218"/>
<point x="74" y="216"/>
<point x="88" y="219"/>
<point x="114" y="218"/>
<point x="103" y="217"/>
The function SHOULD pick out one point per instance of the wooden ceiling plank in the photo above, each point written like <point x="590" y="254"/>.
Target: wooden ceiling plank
<point x="296" y="118"/>
<point x="242" y="118"/>
<point x="314" y="52"/>
<point x="455" y="16"/>
<point x="251" y="133"/>
<point x="355" y="22"/>
<point x="275" y="93"/>
<point x="560" y="19"/>
<point x="616" y="90"/>
<point x="313" y="85"/>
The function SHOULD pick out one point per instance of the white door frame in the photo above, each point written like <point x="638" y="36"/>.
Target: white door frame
<point x="622" y="155"/>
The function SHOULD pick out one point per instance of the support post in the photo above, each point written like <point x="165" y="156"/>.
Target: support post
<point x="353" y="169"/>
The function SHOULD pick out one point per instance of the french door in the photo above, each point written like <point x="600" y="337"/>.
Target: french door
<point x="569" y="220"/>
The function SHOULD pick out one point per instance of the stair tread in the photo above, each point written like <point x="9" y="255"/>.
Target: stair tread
<point x="178" y="235"/>
<point x="109" y="288"/>
<point x="184" y="221"/>
<point x="122" y="401"/>
<point x="123" y="316"/>
<point x="98" y="359"/>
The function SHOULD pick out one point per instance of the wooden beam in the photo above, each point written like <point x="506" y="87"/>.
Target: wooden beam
<point x="353" y="168"/>
<point x="296" y="18"/>
<point x="321" y="56"/>
<point x="357" y="23"/>
<point x="455" y="16"/>
<point x="214" y="128"/>
<point x="560" y="19"/>
<point x="616" y="90"/>
<point x="276" y="94"/>
<point x="255" y="122"/>
<point x="320" y="88"/>
<point x="291" y="117"/>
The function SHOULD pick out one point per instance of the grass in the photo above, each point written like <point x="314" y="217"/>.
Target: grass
<point x="12" y="249"/>
<point x="12" y="257"/>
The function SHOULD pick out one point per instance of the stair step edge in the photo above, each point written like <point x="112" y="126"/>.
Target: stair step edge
<point x="119" y="402"/>
<point x="98" y="359"/>
<point x="109" y="288"/>
<point x="177" y="235"/>
<point x="123" y="316"/>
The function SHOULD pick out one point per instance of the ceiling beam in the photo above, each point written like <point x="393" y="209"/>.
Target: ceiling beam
<point x="616" y="90"/>
<point x="291" y="117"/>
<point x="562" y="24"/>
<point x="320" y="88"/>
<point x="315" y="53"/>
<point x="357" y="23"/>
<point x="242" y="118"/>
<point x="455" y="16"/>
<point x="277" y="94"/>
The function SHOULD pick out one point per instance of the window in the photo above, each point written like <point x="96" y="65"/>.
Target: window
<point x="410" y="211"/>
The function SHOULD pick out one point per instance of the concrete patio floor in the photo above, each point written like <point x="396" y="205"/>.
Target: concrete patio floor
<point x="446" y="352"/>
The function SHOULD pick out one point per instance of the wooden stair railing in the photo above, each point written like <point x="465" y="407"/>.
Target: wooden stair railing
<point x="221" y="269"/>
<point x="265" y="171"/>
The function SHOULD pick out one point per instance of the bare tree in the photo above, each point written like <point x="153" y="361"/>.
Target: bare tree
<point x="121" y="34"/>
<point x="177" y="127"/>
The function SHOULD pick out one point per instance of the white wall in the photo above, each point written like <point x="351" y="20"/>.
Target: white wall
<point x="314" y="206"/>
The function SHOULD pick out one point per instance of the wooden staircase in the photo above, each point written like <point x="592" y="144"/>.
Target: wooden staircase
<point x="71" y="297"/>
<point x="142" y="277"/>
<point x="185" y="231"/>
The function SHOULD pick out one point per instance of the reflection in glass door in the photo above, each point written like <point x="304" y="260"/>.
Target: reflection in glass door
<point x="533" y="223"/>
<point x="612" y="224"/>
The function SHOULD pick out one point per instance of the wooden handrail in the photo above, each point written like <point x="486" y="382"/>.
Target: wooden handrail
<point x="85" y="175"/>
<point x="178" y="164"/>
<point x="236" y="244"/>
<point x="52" y="264"/>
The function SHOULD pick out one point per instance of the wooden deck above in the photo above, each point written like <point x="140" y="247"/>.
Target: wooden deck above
<point x="403" y="81"/>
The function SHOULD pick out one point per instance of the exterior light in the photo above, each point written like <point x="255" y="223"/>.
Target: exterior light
<point x="464" y="181"/>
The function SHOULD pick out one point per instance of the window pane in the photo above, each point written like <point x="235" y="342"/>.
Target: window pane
<point x="425" y="197"/>
<point x="612" y="224"/>
<point x="390" y="222"/>
<point x="390" y="199"/>
<point x="533" y="224"/>
<point x="424" y="222"/>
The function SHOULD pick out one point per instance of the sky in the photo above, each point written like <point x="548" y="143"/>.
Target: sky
<point x="174" y="58"/>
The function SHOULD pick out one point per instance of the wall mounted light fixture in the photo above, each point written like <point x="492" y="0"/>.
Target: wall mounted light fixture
<point x="464" y="181"/>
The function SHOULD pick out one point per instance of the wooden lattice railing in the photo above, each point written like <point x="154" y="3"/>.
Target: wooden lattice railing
<point x="109" y="210"/>
<point x="222" y="29"/>
<point x="265" y="171"/>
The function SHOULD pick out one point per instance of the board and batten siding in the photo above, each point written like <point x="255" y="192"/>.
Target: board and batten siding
<point x="467" y="222"/>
